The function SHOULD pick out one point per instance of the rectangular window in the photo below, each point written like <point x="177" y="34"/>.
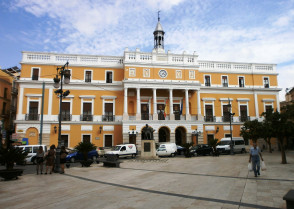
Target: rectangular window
<point x="33" y="111"/>
<point x="108" y="77"/>
<point x="209" y="113"/>
<point x="144" y="112"/>
<point x="35" y="74"/>
<point x="177" y="111"/>
<point x="4" y="108"/>
<point x="87" y="138"/>
<point x="192" y="74"/>
<point x="132" y="72"/>
<point x="178" y="74"/>
<point x="87" y="112"/>
<point x="268" y="108"/>
<point x="207" y="80"/>
<point x="241" y="82"/>
<point x="65" y="111"/>
<point x="225" y="81"/>
<point x="5" y="93"/>
<point x="88" y="76"/>
<point x="226" y="113"/>
<point x="243" y="113"/>
<point x="146" y="73"/>
<point x="64" y="140"/>
<point x="227" y="135"/>
<point x="266" y="82"/>
<point x="108" y="112"/>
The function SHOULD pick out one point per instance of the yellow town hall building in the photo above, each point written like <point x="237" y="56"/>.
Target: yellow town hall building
<point x="112" y="98"/>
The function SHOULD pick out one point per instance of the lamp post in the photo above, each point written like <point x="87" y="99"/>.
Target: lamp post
<point x="196" y="133"/>
<point x="64" y="75"/>
<point x="231" y="114"/>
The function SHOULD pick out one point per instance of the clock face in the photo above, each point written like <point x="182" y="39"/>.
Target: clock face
<point x="162" y="73"/>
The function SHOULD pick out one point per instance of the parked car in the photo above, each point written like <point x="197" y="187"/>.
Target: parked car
<point x="124" y="150"/>
<point x="201" y="149"/>
<point x="165" y="151"/>
<point x="32" y="152"/>
<point x="180" y="150"/>
<point x="224" y="146"/>
<point x="73" y="157"/>
<point x="102" y="150"/>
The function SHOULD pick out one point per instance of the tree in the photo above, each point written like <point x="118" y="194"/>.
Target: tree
<point x="251" y="130"/>
<point x="213" y="143"/>
<point x="84" y="148"/>
<point x="267" y="128"/>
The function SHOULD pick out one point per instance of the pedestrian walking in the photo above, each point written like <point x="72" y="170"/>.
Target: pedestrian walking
<point x="50" y="157"/>
<point x="254" y="158"/>
<point x="63" y="154"/>
<point x="40" y="160"/>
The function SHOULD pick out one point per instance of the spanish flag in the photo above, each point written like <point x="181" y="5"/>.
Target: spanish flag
<point x="165" y="109"/>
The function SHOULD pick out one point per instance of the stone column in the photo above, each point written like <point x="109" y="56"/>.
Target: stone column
<point x="138" y="115"/>
<point x="256" y="105"/>
<point x="188" y="116"/>
<point x="155" y="116"/>
<point x="200" y="117"/>
<point x="171" y="107"/>
<point x="125" y="115"/>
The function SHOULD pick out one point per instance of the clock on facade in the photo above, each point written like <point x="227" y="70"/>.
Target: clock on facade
<point x="162" y="73"/>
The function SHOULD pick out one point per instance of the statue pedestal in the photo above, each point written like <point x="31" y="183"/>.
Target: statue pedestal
<point x="148" y="150"/>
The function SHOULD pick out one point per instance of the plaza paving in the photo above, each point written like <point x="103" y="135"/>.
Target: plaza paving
<point x="199" y="182"/>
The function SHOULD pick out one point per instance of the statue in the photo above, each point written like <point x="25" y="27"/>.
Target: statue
<point x="147" y="132"/>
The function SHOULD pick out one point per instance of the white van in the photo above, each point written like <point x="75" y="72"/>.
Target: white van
<point x="124" y="150"/>
<point x="167" y="149"/>
<point x="32" y="152"/>
<point x="224" y="145"/>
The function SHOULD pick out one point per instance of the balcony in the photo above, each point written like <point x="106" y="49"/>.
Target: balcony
<point x="161" y="116"/>
<point x="65" y="117"/>
<point x="226" y="118"/>
<point x="225" y="85"/>
<point x="32" y="116"/>
<point x="207" y="84"/>
<point x="209" y="118"/>
<point x="244" y="118"/>
<point x="35" y="77"/>
<point x="108" y="118"/>
<point x="86" y="117"/>
<point x="146" y="116"/>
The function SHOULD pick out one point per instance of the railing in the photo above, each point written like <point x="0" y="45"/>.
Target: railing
<point x="177" y="116"/>
<point x="207" y="84"/>
<point x="227" y="118"/>
<point x="244" y="118"/>
<point x="241" y="85"/>
<point x="108" y="118"/>
<point x="161" y="116"/>
<point x="32" y="116"/>
<point x="132" y="116"/>
<point x="266" y="85"/>
<point x="65" y="117"/>
<point x="225" y="85"/>
<point x="35" y="77"/>
<point x="209" y="118"/>
<point x="88" y="80"/>
<point x="146" y="116"/>
<point x="86" y="117"/>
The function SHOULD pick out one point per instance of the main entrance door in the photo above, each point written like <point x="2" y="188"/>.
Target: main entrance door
<point x="181" y="137"/>
<point x="163" y="134"/>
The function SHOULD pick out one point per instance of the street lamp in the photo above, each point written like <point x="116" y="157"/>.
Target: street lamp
<point x="231" y="114"/>
<point x="196" y="133"/>
<point x="64" y="75"/>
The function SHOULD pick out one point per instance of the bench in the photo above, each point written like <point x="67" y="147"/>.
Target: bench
<point x="289" y="197"/>
<point x="110" y="161"/>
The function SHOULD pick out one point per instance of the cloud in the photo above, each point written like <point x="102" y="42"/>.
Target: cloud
<point x="285" y="79"/>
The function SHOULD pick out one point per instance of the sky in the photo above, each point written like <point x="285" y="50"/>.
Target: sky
<point x="254" y="31"/>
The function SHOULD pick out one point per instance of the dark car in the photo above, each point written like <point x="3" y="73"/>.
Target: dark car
<point x="73" y="157"/>
<point x="180" y="150"/>
<point x="201" y="149"/>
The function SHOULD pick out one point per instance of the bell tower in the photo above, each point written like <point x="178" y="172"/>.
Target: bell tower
<point x="159" y="36"/>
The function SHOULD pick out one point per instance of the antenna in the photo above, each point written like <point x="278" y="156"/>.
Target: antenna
<point x="158" y="15"/>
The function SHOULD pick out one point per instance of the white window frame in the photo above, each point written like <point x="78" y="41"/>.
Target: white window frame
<point x="208" y="103"/>
<point x="68" y="137"/>
<point x="243" y="81"/>
<point x="245" y="104"/>
<point x="268" y="104"/>
<point x="111" y="139"/>
<point x="222" y="80"/>
<point x="70" y="101"/>
<point x="180" y="74"/>
<point x="147" y="73"/>
<point x="85" y="75"/>
<point x="264" y="82"/>
<point x="132" y="72"/>
<point x="83" y="134"/>
<point x="191" y="74"/>
<point x="82" y="106"/>
<point x="106" y="71"/>
<point x="39" y="72"/>
<point x="34" y="100"/>
<point x="209" y="79"/>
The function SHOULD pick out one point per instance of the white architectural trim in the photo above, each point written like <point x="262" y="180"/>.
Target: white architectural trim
<point x="104" y="139"/>
<point x="108" y="97"/>
<point x="84" y="134"/>
<point x="85" y="70"/>
<point x="33" y="95"/>
<point x="87" y="96"/>
<point x="38" y="74"/>
<point x="226" y="99"/>
<point x="208" y="99"/>
<point x="268" y="100"/>
<point x="50" y="100"/>
<point x="243" y="99"/>
<point x="243" y="80"/>
<point x="112" y="76"/>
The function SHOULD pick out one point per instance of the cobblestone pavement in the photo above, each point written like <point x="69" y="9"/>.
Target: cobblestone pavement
<point x="198" y="182"/>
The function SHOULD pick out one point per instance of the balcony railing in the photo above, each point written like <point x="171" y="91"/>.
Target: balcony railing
<point x="65" y="117"/>
<point x="161" y="116"/>
<point x="209" y="118"/>
<point x="225" y="85"/>
<point x="177" y="116"/>
<point x="35" y="77"/>
<point x="207" y="84"/>
<point x="86" y="117"/>
<point x="32" y="116"/>
<point x="132" y="116"/>
<point x="226" y="118"/>
<point x="244" y="118"/>
<point x="108" y="118"/>
<point x="146" y="116"/>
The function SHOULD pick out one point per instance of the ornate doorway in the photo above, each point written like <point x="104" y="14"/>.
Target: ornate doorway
<point x="163" y="135"/>
<point x="181" y="137"/>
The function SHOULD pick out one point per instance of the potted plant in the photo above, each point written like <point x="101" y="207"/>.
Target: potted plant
<point x="9" y="156"/>
<point x="84" y="148"/>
